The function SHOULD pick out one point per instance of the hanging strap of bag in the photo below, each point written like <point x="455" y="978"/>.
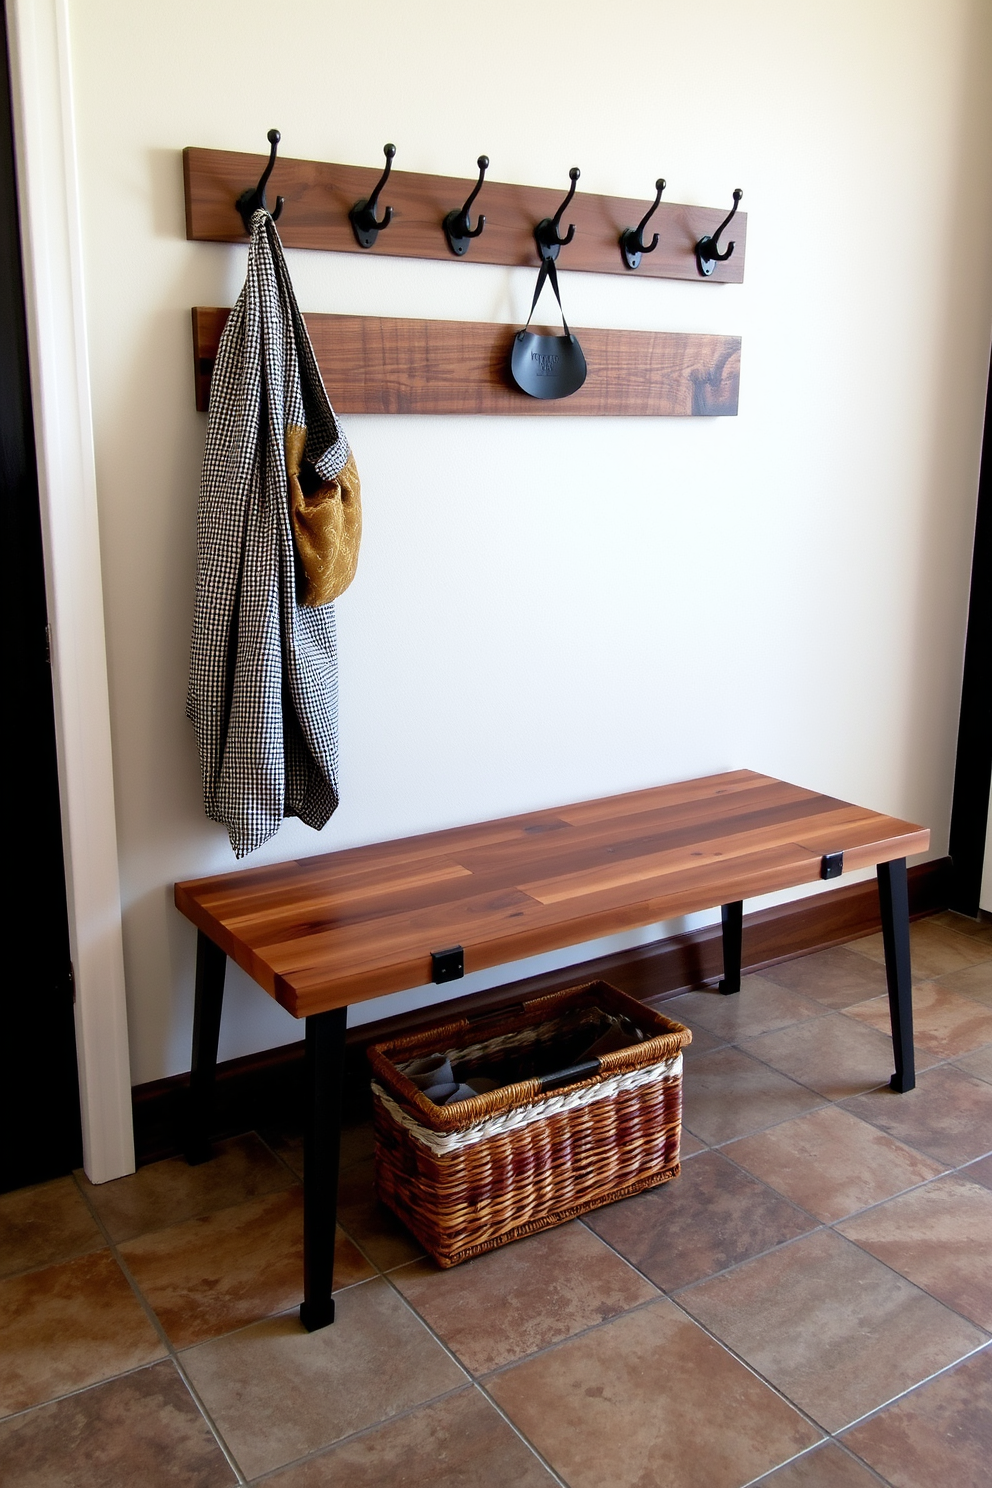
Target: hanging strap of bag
<point x="548" y="271"/>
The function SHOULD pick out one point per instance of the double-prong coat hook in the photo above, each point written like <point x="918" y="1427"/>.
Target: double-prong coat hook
<point x="362" y="214"/>
<point x="632" y="243"/>
<point x="253" y="199"/>
<point x="457" y="228"/>
<point x="546" y="233"/>
<point x="708" y="254"/>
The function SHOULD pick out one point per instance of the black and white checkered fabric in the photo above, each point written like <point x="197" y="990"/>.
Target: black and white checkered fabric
<point x="263" y="668"/>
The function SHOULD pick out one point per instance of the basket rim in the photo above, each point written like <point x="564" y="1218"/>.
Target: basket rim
<point x="667" y="1040"/>
<point x="562" y="1101"/>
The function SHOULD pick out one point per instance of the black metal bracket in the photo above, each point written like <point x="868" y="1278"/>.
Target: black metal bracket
<point x="362" y="214"/>
<point x="708" y="254"/>
<point x="832" y="865"/>
<point x="546" y="234"/>
<point x="253" y="199"/>
<point x="632" y="243"/>
<point x="457" y="228"/>
<point x="449" y="965"/>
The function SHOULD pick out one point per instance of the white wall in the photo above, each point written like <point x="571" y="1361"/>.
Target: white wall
<point x="598" y="604"/>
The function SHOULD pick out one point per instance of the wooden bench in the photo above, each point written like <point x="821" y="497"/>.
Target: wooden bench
<point x="324" y="932"/>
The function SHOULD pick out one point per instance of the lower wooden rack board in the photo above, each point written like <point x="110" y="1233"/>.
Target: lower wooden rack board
<point x="376" y="365"/>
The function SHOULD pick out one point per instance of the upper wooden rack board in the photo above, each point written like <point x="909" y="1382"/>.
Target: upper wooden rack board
<point x="327" y="931"/>
<point x="375" y="365"/>
<point x="319" y="197"/>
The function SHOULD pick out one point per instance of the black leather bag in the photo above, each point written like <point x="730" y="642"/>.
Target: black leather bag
<point x="547" y="366"/>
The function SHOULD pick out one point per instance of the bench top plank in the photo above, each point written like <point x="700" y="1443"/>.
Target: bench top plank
<point x="343" y="927"/>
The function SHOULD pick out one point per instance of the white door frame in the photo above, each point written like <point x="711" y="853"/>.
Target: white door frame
<point x="60" y="388"/>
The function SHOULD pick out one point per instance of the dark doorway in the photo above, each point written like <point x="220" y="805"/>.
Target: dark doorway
<point x="39" y="1092"/>
<point x="973" y="768"/>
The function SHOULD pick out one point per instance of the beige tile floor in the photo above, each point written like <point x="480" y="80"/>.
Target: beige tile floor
<point x="809" y="1305"/>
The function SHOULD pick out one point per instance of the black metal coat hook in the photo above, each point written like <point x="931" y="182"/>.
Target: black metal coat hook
<point x="708" y="254"/>
<point x="632" y="243"/>
<point x="457" y="228"/>
<point x="546" y="233"/>
<point x="253" y="199"/>
<point x="362" y="214"/>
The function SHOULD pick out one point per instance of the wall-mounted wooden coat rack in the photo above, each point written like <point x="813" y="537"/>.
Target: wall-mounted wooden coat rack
<point x="319" y="197"/>
<point x="376" y="365"/>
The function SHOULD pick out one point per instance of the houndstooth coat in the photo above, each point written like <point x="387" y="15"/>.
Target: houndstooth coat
<point x="263" y="667"/>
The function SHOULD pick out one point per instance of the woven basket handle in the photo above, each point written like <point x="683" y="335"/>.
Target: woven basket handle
<point x="575" y="1072"/>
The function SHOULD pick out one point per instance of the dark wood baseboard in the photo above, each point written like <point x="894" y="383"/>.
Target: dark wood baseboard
<point x="265" y="1089"/>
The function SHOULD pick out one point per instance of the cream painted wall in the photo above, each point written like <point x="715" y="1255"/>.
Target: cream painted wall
<point x="552" y="609"/>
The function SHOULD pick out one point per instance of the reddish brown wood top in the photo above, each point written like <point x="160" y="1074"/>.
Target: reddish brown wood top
<point x="326" y="931"/>
<point x="371" y="364"/>
<point x="319" y="196"/>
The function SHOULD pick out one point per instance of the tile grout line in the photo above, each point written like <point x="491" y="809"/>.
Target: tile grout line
<point x="689" y="1286"/>
<point x="826" y="1436"/>
<point x="80" y="1390"/>
<point x="902" y="1192"/>
<point x="922" y="920"/>
<point x="475" y="1383"/>
<point x="556" y="1477"/>
<point x="547" y="1348"/>
<point x="948" y="1172"/>
<point x="282" y="1161"/>
<point x="760" y="1130"/>
<point x="877" y="1410"/>
<point x="172" y="1353"/>
<point x="816" y="1447"/>
<point x="818" y="1227"/>
<point x="837" y="1102"/>
<point x="826" y="1100"/>
<point x="726" y="1347"/>
<point x="673" y="1297"/>
<point x="218" y="1435"/>
<point x="737" y="1043"/>
<point x="284" y="1312"/>
<point x="473" y="1379"/>
<point x="278" y="1156"/>
<point x="340" y="1223"/>
<point x="352" y="1436"/>
<point x="380" y="1274"/>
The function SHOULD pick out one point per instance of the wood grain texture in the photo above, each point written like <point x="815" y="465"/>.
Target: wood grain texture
<point x="326" y="931"/>
<point x="320" y="195"/>
<point x="372" y="364"/>
<point x="263" y="1089"/>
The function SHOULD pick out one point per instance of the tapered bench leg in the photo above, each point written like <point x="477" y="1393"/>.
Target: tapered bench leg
<point x="325" y="1042"/>
<point x="893" y="898"/>
<point x="211" y="965"/>
<point x="732" y="918"/>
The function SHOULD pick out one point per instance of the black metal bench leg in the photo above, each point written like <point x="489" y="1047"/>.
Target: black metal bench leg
<point x="893" y="898"/>
<point x="211" y="966"/>
<point x="732" y="917"/>
<point x="321" y="1153"/>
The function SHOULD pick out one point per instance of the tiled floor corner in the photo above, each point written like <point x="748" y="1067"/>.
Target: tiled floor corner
<point x="808" y="1305"/>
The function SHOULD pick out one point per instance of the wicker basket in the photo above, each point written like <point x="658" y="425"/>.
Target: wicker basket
<point x="469" y="1177"/>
